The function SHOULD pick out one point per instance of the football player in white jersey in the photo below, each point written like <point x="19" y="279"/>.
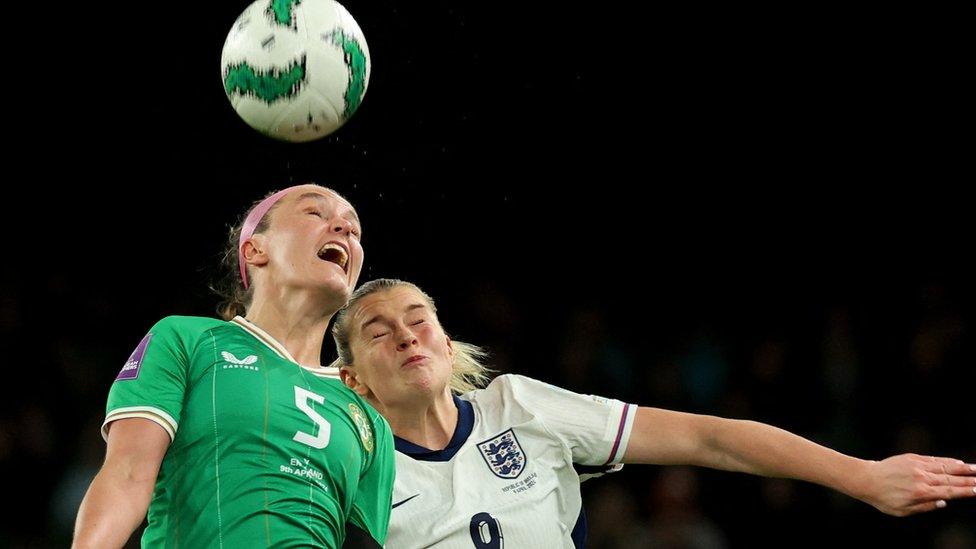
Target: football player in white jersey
<point x="494" y="467"/>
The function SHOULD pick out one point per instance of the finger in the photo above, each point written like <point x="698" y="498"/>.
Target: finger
<point x="952" y="480"/>
<point x="950" y="468"/>
<point x="939" y="479"/>
<point x="962" y="492"/>
<point x="947" y="492"/>
<point x="938" y="459"/>
<point x="925" y="507"/>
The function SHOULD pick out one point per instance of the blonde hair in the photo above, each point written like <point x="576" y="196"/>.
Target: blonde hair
<point x="468" y="371"/>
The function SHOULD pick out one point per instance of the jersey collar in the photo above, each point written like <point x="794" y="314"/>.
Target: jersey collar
<point x="461" y="433"/>
<point x="279" y="349"/>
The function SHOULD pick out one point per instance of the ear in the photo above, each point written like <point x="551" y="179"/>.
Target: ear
<point x="349" y="378"/>
<point x="450" y="346"/>
<point x="254" y="250"/>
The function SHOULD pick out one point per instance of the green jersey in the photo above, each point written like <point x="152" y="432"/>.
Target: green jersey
<point x="264" y="451"/>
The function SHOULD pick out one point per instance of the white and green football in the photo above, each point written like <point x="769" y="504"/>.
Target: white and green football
<point x="295" y="70"/>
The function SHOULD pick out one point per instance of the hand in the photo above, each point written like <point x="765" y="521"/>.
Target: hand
<point x="910" y="483"/>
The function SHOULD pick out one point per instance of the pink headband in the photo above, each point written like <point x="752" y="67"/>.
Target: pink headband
<point x="253" y="220"/>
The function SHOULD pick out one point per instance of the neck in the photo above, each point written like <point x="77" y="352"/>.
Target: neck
<point x="430" y="423"/>
<point x="298" y="323"/>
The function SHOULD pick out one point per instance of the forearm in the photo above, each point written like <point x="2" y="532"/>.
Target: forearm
<point x="899" y="485"/>
<point x="760" y="449"/>
<point x="113" y="508"/>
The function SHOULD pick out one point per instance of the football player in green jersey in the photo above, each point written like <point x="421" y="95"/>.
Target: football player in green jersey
<point x="229" y="432"/>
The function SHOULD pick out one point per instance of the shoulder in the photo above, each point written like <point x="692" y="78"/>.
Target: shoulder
<point x="529" y="394"/>
<point x="510" y="390"/>
<point x="186" y="325"/>
<point x="514" y="385"/>
<point x="182" y="332"/>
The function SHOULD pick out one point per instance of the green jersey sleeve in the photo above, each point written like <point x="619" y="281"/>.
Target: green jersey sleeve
<point x="153" y="382"/>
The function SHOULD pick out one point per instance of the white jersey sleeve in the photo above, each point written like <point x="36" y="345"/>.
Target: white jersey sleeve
<point x="595" y="429"/>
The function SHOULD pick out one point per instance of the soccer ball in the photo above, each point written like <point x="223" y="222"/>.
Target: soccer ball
<point x="295" y="70"/>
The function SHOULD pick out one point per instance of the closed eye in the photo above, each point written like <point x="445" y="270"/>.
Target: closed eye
<point x="421" y="321"/>
<point x="380" y="335"/>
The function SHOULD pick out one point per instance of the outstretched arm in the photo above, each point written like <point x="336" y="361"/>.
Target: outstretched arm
<point x="900" y="485"/>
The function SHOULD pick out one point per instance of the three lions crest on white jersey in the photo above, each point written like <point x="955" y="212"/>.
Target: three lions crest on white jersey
<point x="507" y="476"/>
<point x="504" y="455"/>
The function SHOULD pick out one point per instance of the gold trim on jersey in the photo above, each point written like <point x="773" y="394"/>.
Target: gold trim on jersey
<point x="280" y="350"/>
<point x="155" y="415"/>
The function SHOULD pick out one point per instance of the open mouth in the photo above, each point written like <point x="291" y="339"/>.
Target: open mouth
<point x="334" y="253"/>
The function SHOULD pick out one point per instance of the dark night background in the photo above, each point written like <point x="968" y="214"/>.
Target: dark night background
<point x="757" y="214"/>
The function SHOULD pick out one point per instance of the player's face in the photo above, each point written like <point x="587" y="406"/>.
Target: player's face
<point x="313" y="241"/>
<point x="400" y="352"/>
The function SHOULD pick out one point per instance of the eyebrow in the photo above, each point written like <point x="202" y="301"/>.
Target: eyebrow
<point x="351" y="214"/>
<point x="377" y="318"/>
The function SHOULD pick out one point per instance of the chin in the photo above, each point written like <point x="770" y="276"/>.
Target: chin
<point x="339" y="288"/>
<point x="428" y="384"/>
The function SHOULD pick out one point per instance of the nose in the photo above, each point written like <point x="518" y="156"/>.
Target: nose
<point x="405" y="340"/>
<point x="341" y="225"/>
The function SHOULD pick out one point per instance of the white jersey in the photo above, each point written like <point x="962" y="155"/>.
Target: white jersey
<point x="507" y="477"/>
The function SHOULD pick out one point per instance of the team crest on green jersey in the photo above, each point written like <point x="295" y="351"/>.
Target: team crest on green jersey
<point x="365" y="432"/>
